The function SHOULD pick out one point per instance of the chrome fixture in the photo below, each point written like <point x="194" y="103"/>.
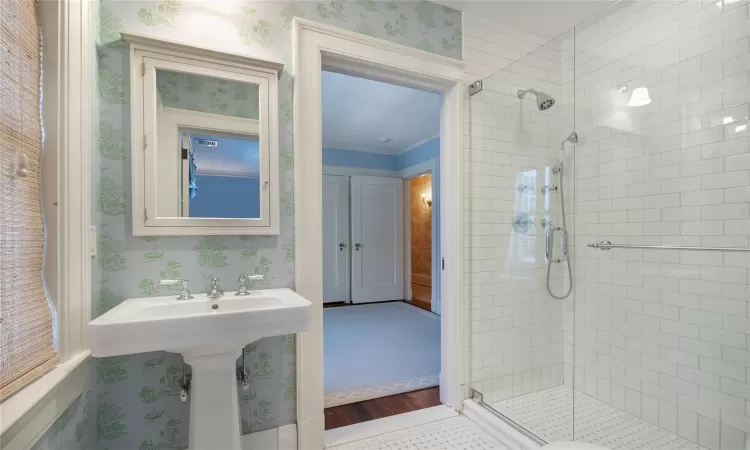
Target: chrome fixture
<point x="549" y="188"/>
<point x="606" y="245"/>
<point x="244" y="280"/>
<point x="475" y="87"/>
<point x="572" y="138"/>
<point x="242" y="289"/>
<point x="242" y="374"/>
<point x="549" y="240"/>
<point x="184" y="292"/>
<point x="521" y="188"/>
<point x="184" y="384"/>
<point x="215" y="291"/>
<point x="543" y="101"/>
<point x="549" y="237"/>
<point x="522" y="222"/>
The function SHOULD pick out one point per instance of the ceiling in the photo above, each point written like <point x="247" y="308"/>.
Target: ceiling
<point x="545" y="18"/>
<point x="360" y="114"/>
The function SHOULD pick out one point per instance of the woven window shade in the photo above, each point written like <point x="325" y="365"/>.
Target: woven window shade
<point x="26" y="336"/>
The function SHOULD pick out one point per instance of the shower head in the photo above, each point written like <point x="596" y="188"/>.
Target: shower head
<point x="543" y="101"/>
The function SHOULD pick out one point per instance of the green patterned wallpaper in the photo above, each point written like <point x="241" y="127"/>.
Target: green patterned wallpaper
<point x="138" y="405"/>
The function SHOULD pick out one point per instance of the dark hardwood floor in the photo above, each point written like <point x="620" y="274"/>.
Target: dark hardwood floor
<point x="341" y="416"/>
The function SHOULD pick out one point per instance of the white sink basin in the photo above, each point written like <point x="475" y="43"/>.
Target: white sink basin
<point x="140" y="325"/>
<point x="210" y="335"/>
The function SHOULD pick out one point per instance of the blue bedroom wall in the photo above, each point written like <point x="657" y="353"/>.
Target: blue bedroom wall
<point x="222" y="196"/>
<point x="380" y="161"/>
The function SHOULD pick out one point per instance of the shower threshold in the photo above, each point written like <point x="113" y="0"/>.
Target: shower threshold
<point x="478" y="398"/>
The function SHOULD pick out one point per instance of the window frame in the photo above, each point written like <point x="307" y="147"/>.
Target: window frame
<point x="66" y="197"/>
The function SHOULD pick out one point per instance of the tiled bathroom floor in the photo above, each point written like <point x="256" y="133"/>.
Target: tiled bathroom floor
<point x="547" y="414"/>
<point x="456" y="433"/>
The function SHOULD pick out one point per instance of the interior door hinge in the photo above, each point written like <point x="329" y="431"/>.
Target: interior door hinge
<point x="145" y="214"/>
<point x="143" y="68"/>
<point x="144" y="142"/>
<point x="443" y="263"/>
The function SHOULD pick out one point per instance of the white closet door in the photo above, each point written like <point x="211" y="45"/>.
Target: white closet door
<point x="335" y="239"/>
<point x="377" y="239"/>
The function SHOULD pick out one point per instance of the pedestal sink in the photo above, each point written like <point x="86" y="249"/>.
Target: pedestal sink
<point x="210" y="335"/>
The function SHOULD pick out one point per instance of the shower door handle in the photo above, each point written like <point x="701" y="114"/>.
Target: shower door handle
<point x="565" y="243"/>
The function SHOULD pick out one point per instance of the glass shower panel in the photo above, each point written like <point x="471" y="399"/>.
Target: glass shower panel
<point x="517" y="329"/>
<point x="661" y="335"/>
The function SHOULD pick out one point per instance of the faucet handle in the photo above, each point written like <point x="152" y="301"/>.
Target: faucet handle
<point x="184" y="293"/>
<point x="256" y="277"/>
<point x="216" y="290"/>
<point x="242" y="290"/>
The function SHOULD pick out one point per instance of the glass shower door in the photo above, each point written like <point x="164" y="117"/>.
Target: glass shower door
<point x="517" y="337"/>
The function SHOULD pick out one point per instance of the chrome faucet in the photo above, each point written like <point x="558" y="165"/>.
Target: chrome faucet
<point x="215" y="291"/>
<point x="184" y="293"/>
<point x="243" y="281"/>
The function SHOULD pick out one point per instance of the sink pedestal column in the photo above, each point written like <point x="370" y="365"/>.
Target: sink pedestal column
<point x="214" y="408"/>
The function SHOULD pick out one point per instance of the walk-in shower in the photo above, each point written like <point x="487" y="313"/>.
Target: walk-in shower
<point x="608" y="270"/>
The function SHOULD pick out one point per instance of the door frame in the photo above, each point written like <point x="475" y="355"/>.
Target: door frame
<point x="430" y="166"/>
<point x="318" y="47"/>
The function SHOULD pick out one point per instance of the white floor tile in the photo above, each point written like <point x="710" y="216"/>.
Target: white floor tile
<point x="457" y="433"/>
<point x="549" y="415"/>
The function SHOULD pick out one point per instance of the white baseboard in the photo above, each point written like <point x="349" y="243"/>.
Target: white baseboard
<point x="496" y="427"/>
<point x="310" y="433"/>
<point x="366" y="430"/>
<point x="282" y="438"/>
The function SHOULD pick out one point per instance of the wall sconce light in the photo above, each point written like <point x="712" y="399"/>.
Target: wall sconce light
<point x="639" y="97"/>
<point x="427" y="199"/>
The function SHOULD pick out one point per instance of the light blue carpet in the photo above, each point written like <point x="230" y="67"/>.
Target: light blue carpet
<point x="378" y="343"/>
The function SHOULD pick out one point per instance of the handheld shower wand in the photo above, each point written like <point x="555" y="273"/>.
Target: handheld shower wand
<point x="550" y="233"/>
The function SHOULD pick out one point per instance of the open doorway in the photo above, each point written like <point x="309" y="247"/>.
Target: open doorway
<point x="319" y="48"/>
<point x="381" y="348"/>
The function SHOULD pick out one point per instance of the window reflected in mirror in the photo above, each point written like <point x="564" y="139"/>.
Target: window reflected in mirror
<point x="221" y="176"/>
<point x="209" y="163"/>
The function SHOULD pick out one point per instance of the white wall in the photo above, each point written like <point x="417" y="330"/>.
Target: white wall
<point x="664" y="335"/>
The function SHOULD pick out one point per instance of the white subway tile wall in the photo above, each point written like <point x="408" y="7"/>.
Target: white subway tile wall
<point x="660" y="335"/>
<point x="669" y="328"/>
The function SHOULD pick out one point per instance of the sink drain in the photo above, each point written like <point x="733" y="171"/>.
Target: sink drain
<point x="214" y="306"/>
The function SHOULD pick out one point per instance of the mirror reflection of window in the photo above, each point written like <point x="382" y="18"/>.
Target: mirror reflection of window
<point x="523" y="242"/>
<point x="225" y="178"/>
<point x="209" y="157"/>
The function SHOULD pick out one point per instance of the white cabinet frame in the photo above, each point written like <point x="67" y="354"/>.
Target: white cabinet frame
<point x="146" y="56"/>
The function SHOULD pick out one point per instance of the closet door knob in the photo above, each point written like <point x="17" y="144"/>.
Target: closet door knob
<point x="342" y="246"/>
<point x="358" y="246"/>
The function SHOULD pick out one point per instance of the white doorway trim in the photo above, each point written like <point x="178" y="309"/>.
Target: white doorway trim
<point x="318" y="47"/>
<point x="430" y="166"/>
